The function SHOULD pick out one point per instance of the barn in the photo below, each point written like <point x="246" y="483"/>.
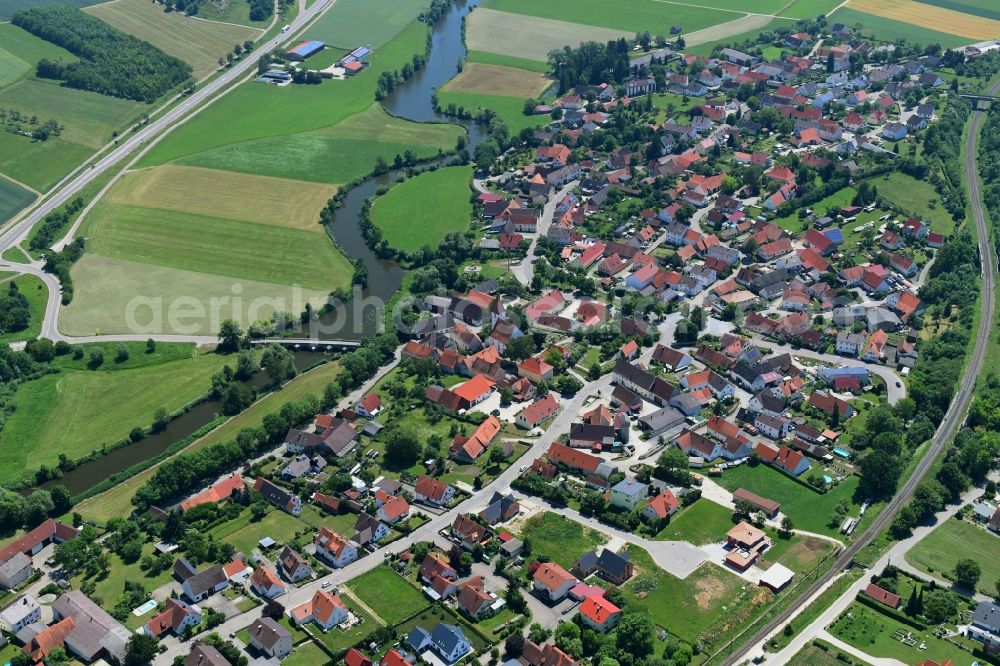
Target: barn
<point x="305" y="49"/>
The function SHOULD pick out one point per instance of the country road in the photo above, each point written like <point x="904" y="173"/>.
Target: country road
<point x="953" y="418"/>
<point x="156" y="129"/>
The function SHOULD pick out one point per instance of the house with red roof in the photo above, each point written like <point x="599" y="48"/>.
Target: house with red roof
<point x="394" y="509"/>
<point x="785" y="458"/>
<point x="432" y="491"/>
<point x="903" y="264"/>
<point x="819" y="242"/>
<point x="827" y="403"/>
<point x="629" y="350"/>
<point x="599" y="614"/>
<point x="882" y="596"/>
<point x="474" y="391"/>
<point x="535" y="369"/>
<point x="661" y="507"/>
<point x="552" y="582"/>
<point x="219" y="492"/>
<point x="781" y="173"/>
<point x="265" y="583"/>
<point x="369" y="406"/>
<point x="468" y="449"/>
<point x="176" y="616"/>
<point x="537" y="412"/>
<point x="324" y="609"/>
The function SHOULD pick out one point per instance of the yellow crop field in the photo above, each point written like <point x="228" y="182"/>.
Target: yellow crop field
<point x="976" y="28"/>
<point x="498" y="80"/>
<point x="239" y="196"/>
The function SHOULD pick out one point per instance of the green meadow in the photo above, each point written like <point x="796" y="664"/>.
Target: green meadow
<point x="421" y="210"/>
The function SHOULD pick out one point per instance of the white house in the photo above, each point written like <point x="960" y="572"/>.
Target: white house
<point x="20" y="614"/>
<point x="334" y="549"/>
<point x="627" y="493"/>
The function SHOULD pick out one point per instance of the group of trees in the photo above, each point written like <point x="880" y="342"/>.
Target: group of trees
<point x="60" y="263"/>
<point x="591" y="63"/>
<point x="942" y="145"/>
<point x="111" y="62"/>
<point x="14" y="312"/>
<point x="53" y="224"/>
<point x="19" y="123"/>
<point x="17" y="510"/>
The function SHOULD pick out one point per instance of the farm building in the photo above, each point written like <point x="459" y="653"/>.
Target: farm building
<point x="305" y="49"/>
<point x="354" y="61"/>
<point x="275" y="76"/>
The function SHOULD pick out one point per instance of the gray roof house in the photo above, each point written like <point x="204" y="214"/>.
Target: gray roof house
<point x="662" y="420"/>
<point x="205" y="584"/>
<point x="205" y="655"/>
<point x="270" y="638"/>
<point x="95" y="632"/>
<point x="985" y="626"/>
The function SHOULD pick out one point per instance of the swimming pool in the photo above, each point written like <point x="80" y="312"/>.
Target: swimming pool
<point x="828" y="479"/>
<point x="843" y="453"/>
<point x="145" y="608"/>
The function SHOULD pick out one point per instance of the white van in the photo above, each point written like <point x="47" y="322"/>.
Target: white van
<point x="286" y="28"/>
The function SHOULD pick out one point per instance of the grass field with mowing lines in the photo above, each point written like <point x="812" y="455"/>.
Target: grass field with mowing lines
<point x="29" y="48"/>
<point x="930" y="17"/>
<point x="117" y="501"/>
<point x="106" y="289"/>
<point x="274" y="201"/>
<point x="236" y="249"/>
<point x="286" y="110"/>
<point x="76" y="411"/>
<point x="198" y="43"/>
<point x="530" y="36"/>
<point x="39" y="164"/>
<point x="487" y="58"/>
<point x="888" y="30"/>
<point x="634" y="15"/>
<point x="985" y="8"/>
<point x="498" y="80"/>
<point x="12" y="68"/>
<point x="13" y="198"/>
<point x="940" y="551"/>
<point x="337" y="154"/>
<point x="509" y="109"/>
<point x="37" y="294"/>
<point x="391" y="597"/>
<point x="810" y="9"/>
<point x="353" y="23"/>
<point x="421" y="210"/>
<point x="701" y="523"/>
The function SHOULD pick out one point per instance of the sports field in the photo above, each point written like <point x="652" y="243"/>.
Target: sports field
<point x="498" y="80"/>
<point x="889" y="30"/>
<point x="637" y="15"/>
<point x="274" y="201"/>
<point x="421" y="210"/>
<point x="940" y="551"/>
<point x="530" y="36"/>
<point x="37" y="294"/>
<point x="197" y="42"/>
<point x="76" y="411"/>
<point x="12" y="199"/>
<point x="255" y="111"/>
<point x="933" y="18"/>
<point x="353" y="23"/>
<point x="337" y="154"/>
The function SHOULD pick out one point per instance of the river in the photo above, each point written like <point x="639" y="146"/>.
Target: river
<point x="413" y="100"/>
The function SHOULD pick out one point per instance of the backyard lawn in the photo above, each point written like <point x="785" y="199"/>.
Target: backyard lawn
<point x="306" y="654"/>
<point x="917" y="197"/>
<point x="336" y="639"/>
<point x="809" y="510"/>
<point x="244" y="534"/>
<point x="561" y="539"/>
<point x="108" y="589"/>
<point x="872" y="632"/>
<point x="422" y="210"/>
<point x="386" y="593"/>
<point x="815" y="656"/>
<point x="701" y="523"/>
<point x="953" y="540"/>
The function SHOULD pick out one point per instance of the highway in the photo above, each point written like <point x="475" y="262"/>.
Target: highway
<point x="187" y="108"/>
<point x="953" y="418"/>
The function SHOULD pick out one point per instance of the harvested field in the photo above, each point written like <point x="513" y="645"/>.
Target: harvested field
<point x="931" y="17"/>
<point x="530" y="36"/>
<point x="986" y="8"/>
<point x="498" y="80"/>
<point x="198" y="43"/>
<point x="274" y="201"/>
<point x="889" y="30"/>
<point x="106" y="286"/>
